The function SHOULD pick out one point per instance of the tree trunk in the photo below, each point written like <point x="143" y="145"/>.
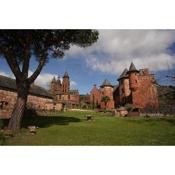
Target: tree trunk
<point x="18" y="111"/>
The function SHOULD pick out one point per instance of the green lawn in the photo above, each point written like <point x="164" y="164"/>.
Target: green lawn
<point x="70" y="128"/>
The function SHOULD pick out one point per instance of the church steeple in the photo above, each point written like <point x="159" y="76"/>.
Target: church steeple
<point x="66" y="75"/>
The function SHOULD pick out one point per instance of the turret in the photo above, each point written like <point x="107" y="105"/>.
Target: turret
<point x="124" y="83"/>
<point x="58" y="85"/>
<point x="107" y="90"/>
<point x="53" y="86"/>
<point x="66" y="83"/>
<point x="133" y="77"/>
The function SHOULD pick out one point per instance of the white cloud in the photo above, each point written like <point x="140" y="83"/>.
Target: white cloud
<point x="73" y="84"/>
<point x="115" y="49"/>
<point x="43" y="79"/>
<point x="6" y="74"/>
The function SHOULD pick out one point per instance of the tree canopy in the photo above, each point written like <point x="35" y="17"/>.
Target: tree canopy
<point x="17" y="46"/>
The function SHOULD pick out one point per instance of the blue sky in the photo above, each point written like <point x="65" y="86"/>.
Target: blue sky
<point x="115" y="49"/>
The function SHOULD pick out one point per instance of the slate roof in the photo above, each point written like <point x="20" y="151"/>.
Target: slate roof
<point x="124" y="74"/>
<point x="9" y="83"/>
<point x="106" y="83"/>
<point x="132" y="68"/>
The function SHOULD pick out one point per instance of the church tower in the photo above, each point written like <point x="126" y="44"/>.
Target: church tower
<point x="53" y="86"/>
<point x="65" y="83"/>
<point x="58" y="85"/>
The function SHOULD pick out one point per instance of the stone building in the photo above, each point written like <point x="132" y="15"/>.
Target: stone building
<point x="62" y="93"/>
<point x="58" y="98"/>
<point x="96" y="95"/>
<point x="38" y="97"/>
<point x="136" y="87"/>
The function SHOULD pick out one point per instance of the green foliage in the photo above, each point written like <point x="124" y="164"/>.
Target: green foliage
<point x="1" y="138"/>
<point x="105" y="99"/>
<point x="43" y="42"/>
<point x="1" y="123"/>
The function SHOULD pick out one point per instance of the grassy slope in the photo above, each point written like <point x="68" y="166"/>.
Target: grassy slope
<point x="70" y="128"/>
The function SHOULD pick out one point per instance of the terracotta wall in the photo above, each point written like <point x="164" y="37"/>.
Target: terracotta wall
<point x="95" y="96"/>
<point x="146" y="95"/>
<point x="8" y="99"/>
<point x="107" y="91"/>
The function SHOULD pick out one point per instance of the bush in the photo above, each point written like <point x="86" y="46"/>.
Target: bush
<point x="1" y="124"/>
<point x="2" y="138"/>
<point x="30" y="112"/>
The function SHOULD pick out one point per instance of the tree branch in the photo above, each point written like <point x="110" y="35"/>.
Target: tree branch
<point x="14" y="66"/>
<point x="25" y="67"/>
<point x="26" y="61"/>
<point x="41" y="64"/>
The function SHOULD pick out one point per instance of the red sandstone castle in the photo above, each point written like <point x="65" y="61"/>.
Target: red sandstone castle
<point x="136" y="87"/>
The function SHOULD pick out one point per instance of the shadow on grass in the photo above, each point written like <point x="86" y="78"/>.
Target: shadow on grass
<point x="151" y="120"/>
<point x="46" y="121"/>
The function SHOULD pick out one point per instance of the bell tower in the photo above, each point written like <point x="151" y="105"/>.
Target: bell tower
<point x="65" y="83"/>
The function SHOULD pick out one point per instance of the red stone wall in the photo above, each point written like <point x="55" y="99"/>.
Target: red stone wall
<point x="9" y="98"/>
<point x="143" y="92"/>
<point x="124" y="90"/>
<point x="146" y="95"/>
<point x="133" y="81"/>
<point x="65" y="85"/>
<point x="107" y="91"/>
<point x="69" y="97"/>
<point x="39" y="103"/>
<point x="95" y="96"/>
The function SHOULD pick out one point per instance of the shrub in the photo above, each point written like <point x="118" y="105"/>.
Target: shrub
<point x="2" y="138"/>
<point x="29" y="112"/>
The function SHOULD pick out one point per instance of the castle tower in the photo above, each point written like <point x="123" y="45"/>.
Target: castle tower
<point x="53" y="86"/>
<point x="124" y="89"/>
<point x="58" y="85"/>
<point x="107" y="90"/>
<point x="95" y="96"/>
<point x="133" y="77"/>
<point x="124" y="83"/>
<point x="65" y="83"/>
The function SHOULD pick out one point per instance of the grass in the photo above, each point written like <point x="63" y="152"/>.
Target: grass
<point x="71" y="128"/>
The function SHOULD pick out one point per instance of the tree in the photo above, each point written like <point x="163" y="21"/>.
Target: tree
<point x="105" y="99"/>
<point x="17" y="47"/>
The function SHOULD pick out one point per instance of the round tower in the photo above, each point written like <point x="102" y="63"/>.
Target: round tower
<point x="124" y="83"/>
<point x="133" y="77"/>
<point x="107" y="90"/>
<point x="65" y="83"/>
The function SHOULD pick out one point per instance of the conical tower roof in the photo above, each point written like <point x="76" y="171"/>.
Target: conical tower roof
<point x="58" y="80"/>
<point x="53" y="80"/>
<point x="66" y="74"/>
<point x="106" y="83"/>
<point x="132" y="68"/>
<point x="124" y="74"/>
